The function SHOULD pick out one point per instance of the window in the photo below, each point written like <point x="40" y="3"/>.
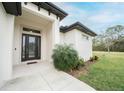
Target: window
<point x="31" y="30"/>
<point x="85" y="37"/>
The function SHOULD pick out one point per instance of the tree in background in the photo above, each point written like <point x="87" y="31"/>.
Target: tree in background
<point x="109" y="37"/>
<point x="106" y="41"/>
<point x="119" y="29"/>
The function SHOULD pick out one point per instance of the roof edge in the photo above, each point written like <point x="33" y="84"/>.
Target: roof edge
<point x="79" y="26"/>
<point x="52" y="8"/>
<point x="13" y="8"/>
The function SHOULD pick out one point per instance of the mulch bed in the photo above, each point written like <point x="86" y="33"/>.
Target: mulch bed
<point x="82" y="70"/>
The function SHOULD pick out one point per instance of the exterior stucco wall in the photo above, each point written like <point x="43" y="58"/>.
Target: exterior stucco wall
<point x="80" y="43"/>
<point x="61" y="38"/>
<point x="6" y="43"/>
<point x="53" y="38"/>
<point x="68" y="38"/>
<point x="84" y="45"/>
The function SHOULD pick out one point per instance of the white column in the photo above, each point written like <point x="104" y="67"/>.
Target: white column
<point x="53" y="38"/>
<point x="55" y="33"/>
<point x="6" y="44"/>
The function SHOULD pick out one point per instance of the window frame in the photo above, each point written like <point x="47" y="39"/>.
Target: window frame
<point x="37" y="49"/>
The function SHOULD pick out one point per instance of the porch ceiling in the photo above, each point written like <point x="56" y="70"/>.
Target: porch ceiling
<point x="34" y="18"/>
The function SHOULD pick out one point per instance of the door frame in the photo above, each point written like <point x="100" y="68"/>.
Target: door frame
<point x="33" y="58"/>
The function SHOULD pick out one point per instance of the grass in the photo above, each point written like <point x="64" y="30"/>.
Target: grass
<point x="107" y="73"/>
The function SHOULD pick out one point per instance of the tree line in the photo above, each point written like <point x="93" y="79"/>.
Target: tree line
<point x="110" y="40"/>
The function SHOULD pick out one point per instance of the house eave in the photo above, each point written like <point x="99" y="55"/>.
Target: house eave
<point x="79" y="27"/>
<point x="52" y="9"/>
<point x="13" y="8"/>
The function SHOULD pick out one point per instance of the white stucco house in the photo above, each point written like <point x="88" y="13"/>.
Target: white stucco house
<point x="29" y="31"/>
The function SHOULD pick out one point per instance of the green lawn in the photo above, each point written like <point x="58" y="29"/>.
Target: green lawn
<point x="107" y="73"/>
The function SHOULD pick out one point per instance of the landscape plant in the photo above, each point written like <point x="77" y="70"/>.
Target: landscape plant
<point x="80" y="63"/>
<point x="65" y="57"/>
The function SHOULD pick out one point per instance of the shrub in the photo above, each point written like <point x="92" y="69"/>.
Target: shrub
<point x="96" y="57"/>
<point x="93" y="58"/>
<point x="80" y="63"/>
<point x="65" y="57"/>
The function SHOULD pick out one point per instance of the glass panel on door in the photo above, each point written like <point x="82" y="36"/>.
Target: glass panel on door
<point x="32" y="46"/>
<point x="23" y="46"/>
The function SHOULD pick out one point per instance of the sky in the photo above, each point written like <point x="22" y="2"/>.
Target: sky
<point x="97" y="16"/>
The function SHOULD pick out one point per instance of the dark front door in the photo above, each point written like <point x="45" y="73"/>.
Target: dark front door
<point x="31" y="47"/>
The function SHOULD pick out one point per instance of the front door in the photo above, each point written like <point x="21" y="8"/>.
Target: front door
<point x="31" y="47"/>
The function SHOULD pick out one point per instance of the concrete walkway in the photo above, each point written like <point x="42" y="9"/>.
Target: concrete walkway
<point x="43" y="76"/>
